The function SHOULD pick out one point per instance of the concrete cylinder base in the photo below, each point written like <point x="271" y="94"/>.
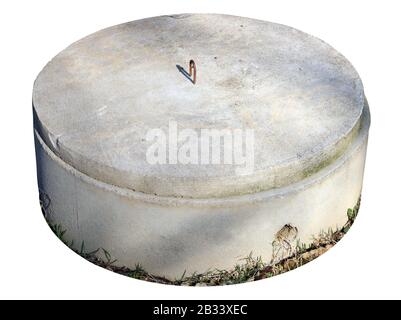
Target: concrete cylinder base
<point x="170" y="236"/>
<point x="180" y="224"/>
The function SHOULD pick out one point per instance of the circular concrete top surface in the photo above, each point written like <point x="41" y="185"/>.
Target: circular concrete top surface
<point x="98" y="99"/>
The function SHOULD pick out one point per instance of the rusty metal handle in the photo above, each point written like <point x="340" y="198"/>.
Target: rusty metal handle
<point x="192" y="70"/>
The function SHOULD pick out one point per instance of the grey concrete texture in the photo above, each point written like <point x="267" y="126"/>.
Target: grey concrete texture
<point x="95" y="101"/>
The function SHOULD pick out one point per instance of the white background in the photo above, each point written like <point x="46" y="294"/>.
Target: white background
<point x="365" y="264"/>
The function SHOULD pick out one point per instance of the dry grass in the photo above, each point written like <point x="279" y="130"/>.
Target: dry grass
<point x="248" y="269"/>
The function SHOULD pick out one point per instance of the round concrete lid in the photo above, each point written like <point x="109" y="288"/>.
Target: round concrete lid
<point x="96" y="102"/>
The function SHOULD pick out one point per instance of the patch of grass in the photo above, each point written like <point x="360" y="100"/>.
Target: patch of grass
<point x="307" y="253"/>
<point x="244" y="271"/>
<point x="248" y="269"/>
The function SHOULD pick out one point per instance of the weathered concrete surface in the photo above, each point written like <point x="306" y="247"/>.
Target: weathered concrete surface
<point x="97" y="99"/>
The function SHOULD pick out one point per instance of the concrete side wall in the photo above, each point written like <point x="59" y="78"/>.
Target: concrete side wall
<point x="168" y="236"/>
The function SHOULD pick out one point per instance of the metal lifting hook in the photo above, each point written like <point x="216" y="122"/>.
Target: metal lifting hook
<point x="192" y="70"/>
